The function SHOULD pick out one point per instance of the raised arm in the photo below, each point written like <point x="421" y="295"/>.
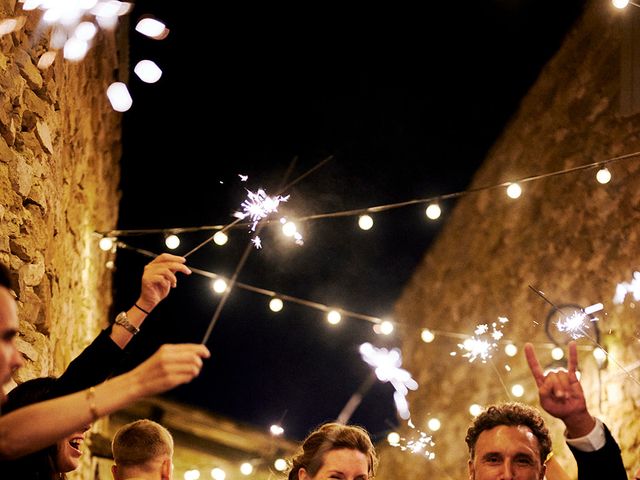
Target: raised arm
<point x="37" y="426"/>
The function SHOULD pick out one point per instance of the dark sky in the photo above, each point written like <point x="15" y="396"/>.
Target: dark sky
<point x="407" y="102"/>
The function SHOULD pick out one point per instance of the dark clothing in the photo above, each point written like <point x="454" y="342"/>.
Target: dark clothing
<point x="605" y="463"/>
<point x="94" y="365"/>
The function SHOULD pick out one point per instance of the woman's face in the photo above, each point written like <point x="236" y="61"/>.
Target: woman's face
<point x="340" y="464"/>
<point x="69" y="451"/>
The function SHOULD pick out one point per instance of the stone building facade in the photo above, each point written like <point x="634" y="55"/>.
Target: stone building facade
<point x="59" y="174"/>
<point x="567" y="235"/>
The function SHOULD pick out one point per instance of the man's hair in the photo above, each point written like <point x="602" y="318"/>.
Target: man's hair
<point x="139" y="442"/>
<point x="510" y="414"/>
<point x="332" y="436"/>
<point x="5" y="277"/>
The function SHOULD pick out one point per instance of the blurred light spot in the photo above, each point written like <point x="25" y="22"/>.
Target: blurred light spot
<point x="427" y="335"/>
<point x="433" y="211"/>
<point x="119" y="97"/>
<point x="148" y="71"/>
<point x="514" y="190"/>
<point x="334" y="317"/>
<point x="219" y="285"/>
<point x="276" y="304"/>
<point x="517" y="390"/>
<point x="172" y="242"/>
<point x="220" y="238"/>
<point x="365" y="222"/>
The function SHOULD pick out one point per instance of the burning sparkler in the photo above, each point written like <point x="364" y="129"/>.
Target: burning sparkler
<point x="483" y="342"/>
<point x="633" y="287"/>
<point x="387" y="365"/>
<point x="422" y="445"/>
<point x="258" y="206"/>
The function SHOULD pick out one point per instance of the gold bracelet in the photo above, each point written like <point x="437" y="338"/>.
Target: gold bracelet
<point x="91" y="399"/>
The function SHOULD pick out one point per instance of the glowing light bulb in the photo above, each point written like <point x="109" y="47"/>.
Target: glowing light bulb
<point x="603" y="176"/>
<point x="384" y="328"/>
<point x="475" y="409"/>
<point x="365" y="222"/>
<point x="148" y="71"/>
<point x="119" y="97"/>
<point x="172" y="242"/>
<point x="557" y="353"/>
<point x="276" y="430"/>
<point x="246" y="468"/>
<point x="289" y="229"/>
<point x="334" y="317"/>
<point x="85" y="31"/>
<point x="620" y="3"/>
<point x="433" y="211"/>
<point x="106" y="243"/>
<point x="280" y="464"/>
<point x="46" y="60"/>
<point x="600" y="355"/>
<point x="517" y="390"/>
<point x="514" y="190"/>
<point x="427" y="335"/>
<point x="219" y="285"/>
<point x="434" y="424"/>
<point x="218" y="474"/>
<point x="276" y="304"/>
<point x="393" y="438"/>
<point x="152" y="28"/>
<point x="511" y="350"/>
<point x="220" y="238"/>
<point x="75" y="49"/>
<point x="192" y="475"/>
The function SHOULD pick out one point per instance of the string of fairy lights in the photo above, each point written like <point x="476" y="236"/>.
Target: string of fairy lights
<point x="73" y="27"/>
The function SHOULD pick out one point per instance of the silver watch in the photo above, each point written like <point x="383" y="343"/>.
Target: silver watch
<point x="124" y="322"/>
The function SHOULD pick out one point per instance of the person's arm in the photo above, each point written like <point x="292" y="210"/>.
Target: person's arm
<point x="37" y="426"/>
<point x="561" y="396"/>
<point x="105" y="355"/>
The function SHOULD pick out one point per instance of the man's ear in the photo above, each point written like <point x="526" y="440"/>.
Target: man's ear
<point x="471" y="470"/>
<point x="303" y="475"/>
<point x="114" y="472"/>
<point x="543" y="471"/>
<point x="166" y="468"/>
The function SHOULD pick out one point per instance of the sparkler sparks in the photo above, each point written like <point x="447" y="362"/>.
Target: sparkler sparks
<point x="387" y="365"/>
<point x="483" y="342"/>
<point x="422" y="445"/>
<point x="633" y="287"/>
<point x="258" y="206"/>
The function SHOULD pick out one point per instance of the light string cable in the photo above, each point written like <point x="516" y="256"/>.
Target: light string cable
<point x="248" y="248"/>
<point x="378" y="208"/>
<point x="583" y="332"/>
<point x="495" y="369"/>
<point x="320" y="306"/>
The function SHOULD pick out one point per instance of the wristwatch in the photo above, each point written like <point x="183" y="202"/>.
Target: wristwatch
<point x="124" y="322"/>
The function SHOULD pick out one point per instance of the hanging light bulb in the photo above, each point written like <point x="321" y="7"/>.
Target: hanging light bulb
<point x="393" y="438"/>
<point x="219" y="285"/>
<point x="511" y="350"/>
<point x="475" y="409"/>
<point x="280" y="464"/>
<point x="620" y="3"/>
<point x="427" y="335"/>
<point x="433" y="211"/>
<point x="246" y="468"/>
<point x="106" y="243"/>
<point x="276" y="304"/>
<point x="220" y="238"/>
<point x="434" y="424"/>
<point x="218" y="474"/>
<point x="557" y="353"/>
<point x="119" y="97"/>
<point x="172" y="242"/>
<point x="603" y="176"/>
<point x="192" y="475"/>
<point x="514" y="191"/>
<point x="365" y="222"/>
<point x="517" y="390"/>
<point x="334" y="317"/>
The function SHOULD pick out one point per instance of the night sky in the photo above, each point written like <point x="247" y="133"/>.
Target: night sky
<point x="407" y="102"/>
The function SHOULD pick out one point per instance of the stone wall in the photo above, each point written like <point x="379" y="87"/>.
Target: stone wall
<point x="567" y="235"/>
<point x="59" y="173"/>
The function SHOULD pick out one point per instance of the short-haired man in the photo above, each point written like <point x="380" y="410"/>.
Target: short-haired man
<point x="10" y="357"/>
<point x="511" y="440"/>
<point x="142" y="450"/>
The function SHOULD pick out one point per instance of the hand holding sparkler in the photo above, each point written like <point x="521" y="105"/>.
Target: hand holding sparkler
<point x="561" y="393"/>
<point x="158" y="278"/>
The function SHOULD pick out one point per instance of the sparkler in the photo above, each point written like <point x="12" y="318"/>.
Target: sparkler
<point x="484" y="341"/>
<point x="258" y="206"/>
<point x="422" y="445"/>
<point x="633" y="287"/>
<point x="387" y="365"/>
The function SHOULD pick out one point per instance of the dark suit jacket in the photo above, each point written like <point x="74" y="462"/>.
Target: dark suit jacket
<point x="603" y="464"/>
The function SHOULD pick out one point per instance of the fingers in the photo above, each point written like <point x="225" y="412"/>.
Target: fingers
<point x="173" y="262"/>
<point x="534" y="364"/>
<point x="173" y="365"/>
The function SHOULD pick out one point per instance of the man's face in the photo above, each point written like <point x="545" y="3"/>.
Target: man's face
<point x="10" y="357"/>
<point x="507" y="453"/>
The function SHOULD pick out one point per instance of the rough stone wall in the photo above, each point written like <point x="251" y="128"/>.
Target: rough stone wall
<point x="567" y="235"/>
<point x="59" y="173"/>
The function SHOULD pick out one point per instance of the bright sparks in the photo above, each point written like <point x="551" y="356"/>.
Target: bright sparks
<point x="387" y="365"/>
<point x="259" y="206"/>
<point x="483" y="342"/>
<point x="418" y="442"/>
<point x="633" y="287"/>
<point x="575" y="324"/>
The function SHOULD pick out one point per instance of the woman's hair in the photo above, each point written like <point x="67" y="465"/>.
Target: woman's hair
<point x="41" y="464"/>
<point x="332" y="436"/>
